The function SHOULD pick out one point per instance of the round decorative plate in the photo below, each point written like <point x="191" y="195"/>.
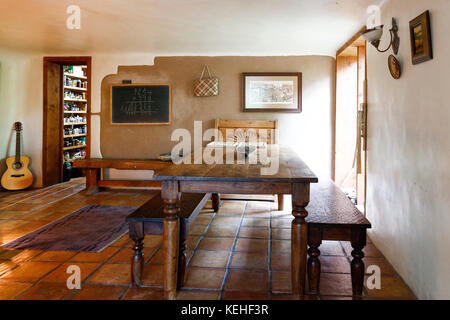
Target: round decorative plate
<point x="394" y="67"/>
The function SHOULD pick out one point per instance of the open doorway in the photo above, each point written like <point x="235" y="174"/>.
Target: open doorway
<point x="66" y="121"/>
<point x="350" y="127"/>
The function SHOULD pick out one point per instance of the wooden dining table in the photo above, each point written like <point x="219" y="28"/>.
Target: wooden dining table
<point x="292" y="176"/>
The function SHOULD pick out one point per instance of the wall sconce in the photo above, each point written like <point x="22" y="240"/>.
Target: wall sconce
<point x="374" y="36"/>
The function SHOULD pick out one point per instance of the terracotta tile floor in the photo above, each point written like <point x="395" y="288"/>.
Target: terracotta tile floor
<point x="241" y="252"/>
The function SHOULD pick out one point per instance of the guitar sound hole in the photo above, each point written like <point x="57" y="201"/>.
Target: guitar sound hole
<point x="17" y="175"/>
<point x="17" y="165"/>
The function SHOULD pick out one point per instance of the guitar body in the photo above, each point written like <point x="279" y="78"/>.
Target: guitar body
<point x="17" y="179"/>
<point x="17" y="176"/>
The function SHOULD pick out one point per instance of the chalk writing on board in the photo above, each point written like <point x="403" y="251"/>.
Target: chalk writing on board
<point x="140" y="104"/>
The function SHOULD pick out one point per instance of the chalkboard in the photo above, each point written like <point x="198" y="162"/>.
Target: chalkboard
<point x="140" y="104"/>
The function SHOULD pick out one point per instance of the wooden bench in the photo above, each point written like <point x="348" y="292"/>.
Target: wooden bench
<point x="94" y="174"/>
<point x="149" y="219"/>
<point x="332" y="216"/>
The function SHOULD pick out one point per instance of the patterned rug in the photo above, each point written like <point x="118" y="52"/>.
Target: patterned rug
<point x="90" y="229"/>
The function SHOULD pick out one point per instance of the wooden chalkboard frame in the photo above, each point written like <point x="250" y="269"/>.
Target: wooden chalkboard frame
<point x="141" y="123"/>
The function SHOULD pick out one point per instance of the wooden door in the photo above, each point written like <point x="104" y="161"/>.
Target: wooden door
<point x="52" y="157"/>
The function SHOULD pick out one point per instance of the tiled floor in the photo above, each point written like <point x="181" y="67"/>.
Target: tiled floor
<point x="241" y="252"/>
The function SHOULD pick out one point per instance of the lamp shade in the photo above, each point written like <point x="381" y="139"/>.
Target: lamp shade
<point x="374" y="34"/>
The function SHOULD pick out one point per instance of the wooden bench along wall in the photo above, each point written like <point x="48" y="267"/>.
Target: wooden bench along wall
<point x="332" y="216"/>
<point x="94" y="174"/>
<point x="264" y="129"/>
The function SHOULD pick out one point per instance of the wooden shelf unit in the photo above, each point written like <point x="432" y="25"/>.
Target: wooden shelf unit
<point x="75" y="76"/>
<point x="82" y="103"/>
<point x="75" y="100"/>
<point x="75" y="135"/>
<point x="75" y="88"/>
<point x="74" y="147"/>
<point x="74" y="123"/>
<point x="72" y="160"/>
<point x="65" y="77"/>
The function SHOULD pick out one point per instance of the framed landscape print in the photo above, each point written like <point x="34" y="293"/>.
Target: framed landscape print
<point x="272" y="92"/>
<point x="420" y="33"/>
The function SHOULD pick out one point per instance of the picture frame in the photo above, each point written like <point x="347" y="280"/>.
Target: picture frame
<point x="272" y="92"/>
<point x="420" y="34"/>
<point x="140" y="104"/>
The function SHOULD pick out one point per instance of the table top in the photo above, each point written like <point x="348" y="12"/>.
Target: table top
<point x="291" y="167"/>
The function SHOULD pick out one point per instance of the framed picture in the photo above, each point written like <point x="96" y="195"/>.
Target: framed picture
<point x="272" y="92"/>
<point x="140" y="104"/>
<point x="420" y="33"/>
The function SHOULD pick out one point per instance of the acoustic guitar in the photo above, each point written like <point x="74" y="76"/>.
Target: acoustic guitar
<point x="17" y="176"/>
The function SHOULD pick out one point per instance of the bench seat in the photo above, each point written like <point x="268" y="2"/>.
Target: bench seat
<point x="149" y="219"/>
<point x="332" y="216"/>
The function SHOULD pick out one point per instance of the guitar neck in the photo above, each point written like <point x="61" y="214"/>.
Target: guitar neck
<point x="17" y="146"/>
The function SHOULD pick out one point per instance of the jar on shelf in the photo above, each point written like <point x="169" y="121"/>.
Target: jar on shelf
<point x="68" y="69"/>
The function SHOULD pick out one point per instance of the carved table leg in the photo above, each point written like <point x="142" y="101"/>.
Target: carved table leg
<point x="182" y="254"/>
<point x="215" y="199"/>
<point x="137" y="260"/>
<point x="299" y="238"/>
<point x="314" y="241"/>
<point x="169" y="194"/>
<point x="358" y="241"/>
<point x="280" y="202"/>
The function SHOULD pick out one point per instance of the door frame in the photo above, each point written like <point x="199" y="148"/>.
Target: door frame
<point x="64" y="60"/>
<point x="348" y="44"/>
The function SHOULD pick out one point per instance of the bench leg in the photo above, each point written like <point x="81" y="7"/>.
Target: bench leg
<point x="280" y="202"/>
<point x="137" y="260"/>
<point x="92" y="177"/>
<point x="215" y="199"/>
<point x="358" y="241"/>
<point x="314" y="241"/>
<point x="182" y="255"/>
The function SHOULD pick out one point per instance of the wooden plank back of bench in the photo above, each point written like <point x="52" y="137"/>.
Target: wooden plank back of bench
<point x="330" y="206"/>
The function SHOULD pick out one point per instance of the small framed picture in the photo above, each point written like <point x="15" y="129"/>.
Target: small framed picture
<point x="272" y="92"/>
<point x="420" y="33"/>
